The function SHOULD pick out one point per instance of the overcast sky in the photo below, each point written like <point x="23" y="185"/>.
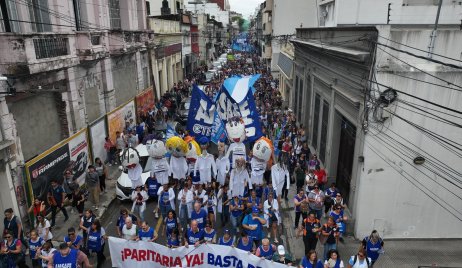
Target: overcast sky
<point x="245" y="7"/>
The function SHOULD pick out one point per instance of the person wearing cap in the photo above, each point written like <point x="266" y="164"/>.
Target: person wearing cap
<point x="236" y="207"/>
<point x="282" y="257"/>
<point x="226" y="239"/>
<point x="68" y="257"/>
<point x="253" y="223"/>
<point x="205" y="163"/>
<point x="266" y="250"/>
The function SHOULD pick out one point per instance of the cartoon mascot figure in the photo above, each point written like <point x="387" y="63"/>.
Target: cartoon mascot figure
<point x="194" y="151"/>
<point x="160" y="166"/>
<point x="235" y="129"/>
<point x="261" y="154"/>
<point x="131" y="162"/>
<point x="178" y="148"/>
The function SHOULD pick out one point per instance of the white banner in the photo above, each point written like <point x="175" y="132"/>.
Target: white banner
<point x="147" y="254"/>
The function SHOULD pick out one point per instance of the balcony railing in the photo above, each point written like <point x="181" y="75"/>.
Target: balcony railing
<point x="49" y="47"/>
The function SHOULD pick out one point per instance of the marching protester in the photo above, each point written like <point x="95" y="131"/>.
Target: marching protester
<point x="373" y="244"/>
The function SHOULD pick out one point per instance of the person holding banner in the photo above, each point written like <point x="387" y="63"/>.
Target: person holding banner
<point x="146" y="233"/>
<point x="245" y="243"/>
<point x="67" y="257"/>
<point x="310" y="260"/>
<point x="209" y="233"/>
<point x="194" y="235"/>
<point x="266" y="250"/>
<point x="253" y="223"/>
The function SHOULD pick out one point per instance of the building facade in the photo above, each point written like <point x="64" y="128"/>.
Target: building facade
<point x="378" y="111"/>
<point x="69" y="67"/>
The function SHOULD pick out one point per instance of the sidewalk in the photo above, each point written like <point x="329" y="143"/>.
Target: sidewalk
<point x="60" y="230"/>
<point x="398" y="253"/>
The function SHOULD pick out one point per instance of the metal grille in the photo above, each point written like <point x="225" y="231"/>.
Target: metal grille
<point x="114" y="14"/>
<point x="96" y="40"/>
<point x="137" y="37"/>
<point x="51" y="47"/>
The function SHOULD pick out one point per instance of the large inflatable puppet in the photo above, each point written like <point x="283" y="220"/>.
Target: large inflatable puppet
<point x="160" y="166"/>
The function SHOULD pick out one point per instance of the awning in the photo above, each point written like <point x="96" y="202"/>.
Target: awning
<point x="285" y="64"/>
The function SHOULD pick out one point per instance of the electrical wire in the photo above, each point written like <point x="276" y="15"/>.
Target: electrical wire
<point x="432" y="53"/>
<point x="418" y="80"/>
<point x="434" y="117"/>
<point x="428" y="108"/>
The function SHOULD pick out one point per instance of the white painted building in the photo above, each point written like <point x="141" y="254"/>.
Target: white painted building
<point x="212" y="9"/>
<point x="154" y="6"/>
<point x="370" y="153"/>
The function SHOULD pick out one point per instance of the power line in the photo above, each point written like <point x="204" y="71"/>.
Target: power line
<point x="433" y="116"/>
<point x="418" y="56"/>
<point x="428" y="108"/>
<point x="410" y="65"/>
<point x="432" y="53"/>
<point x="418" y="80"/>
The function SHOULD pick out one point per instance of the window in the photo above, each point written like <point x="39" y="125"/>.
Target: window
<point x="148" y="8"/>
<point x="40" y="13"/>
<point x="324" y="127"/>
<point x="114" y="14"/>
<point x="317" y="104"/>
<point x="9" y="17"/>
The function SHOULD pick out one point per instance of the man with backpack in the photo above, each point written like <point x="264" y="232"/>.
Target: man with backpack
<point x="360" y="260"/>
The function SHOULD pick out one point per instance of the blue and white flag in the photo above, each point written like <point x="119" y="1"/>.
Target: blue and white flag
<point x="170" y="132"/>
<point x="201" y="115"/>
<point x="236" y="100"/>
<point x="218" y="130"/>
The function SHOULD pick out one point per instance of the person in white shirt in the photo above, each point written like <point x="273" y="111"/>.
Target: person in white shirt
<point x="272" y="217"/>
<point x="360" y="260"/>
<point x="239" y="178"/>
<point x="222" y="164"/>
<point x="129" y="231"/>
<point x="279" y="176"/>
<point x="139" y="198"/>
<point x="186" y="199"/>
<point x="43" y="228"/>
<point x="224" y="197"/>
<point x="200" y="195"/>
<point x="205" y="163"/>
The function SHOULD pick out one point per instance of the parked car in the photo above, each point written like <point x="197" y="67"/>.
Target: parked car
<point x="124" y="184"/>
<point x="209" y="75"/>
<point x="217" y="65"/>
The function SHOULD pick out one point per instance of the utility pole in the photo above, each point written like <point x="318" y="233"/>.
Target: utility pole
<point x="434" y="32"/>
<point x="389" y="11"/>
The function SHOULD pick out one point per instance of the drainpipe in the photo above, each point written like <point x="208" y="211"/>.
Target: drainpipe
<point x="434" y="32"/>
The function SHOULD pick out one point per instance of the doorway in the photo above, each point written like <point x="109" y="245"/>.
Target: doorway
<point x="345" y="158"/>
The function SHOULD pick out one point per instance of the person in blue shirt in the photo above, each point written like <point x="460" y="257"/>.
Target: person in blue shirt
<point x="96" y="237"/>
<point x="56" y="197"/>
<point x="170" y="223"/>
<point x="245" y="243"/>
<point x="236" y="207"/>
<point x="152" y="186"/>
<point x="329" y="196"/>
<point x="74" y="240"/>
<point x="68" y="257"/>
<point x="267" y="190"/>
<point x="121" y="220"/>
<point x="226" y="239"/>
<point x="174" y="240"/>
<point x="209" y="233"/>
<point x="146" y="233"/>
<point x="373" y="245"/>
<point x="253" y="223"/>
<point x="35" y="243"/>
<point x="254" y="200"/>
<point x="194" y="235"/>
<point x="266" y="250"/>
<point x="199" y="215"/>
<point x="310" y="260"/>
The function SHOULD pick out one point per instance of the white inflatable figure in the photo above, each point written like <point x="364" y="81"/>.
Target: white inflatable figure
<point x="261" y="154"/>
<point x="178" y="148"/>
<point x="239" y="178"/>
<point x="205" y="163"/>
<point x="159" y="164"/>
<point x="194" y="150"/>
<point x="235" y="129"/>
<point x="131" y="162"/>
<point x="222" y="163"/>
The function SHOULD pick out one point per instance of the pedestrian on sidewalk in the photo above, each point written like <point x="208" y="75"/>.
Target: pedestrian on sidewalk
<point x="316" y="201"/>
<point x="253" y="224"/>
<point x="300" y="203"/>
<point x="139" y="198"/>
<point x="373" y="245"/>
<point x="56" y="197"/>
<point x="273" y="220"/>
<point x="85" y="223"/>
<point x="13" y="224"/>
<point x="120" y="146"/>
<point x="35" y="243"/>
<point x="92" y="182"/>
<point x="333" y="260"/>
<point x="329" y="234"/>
<point x="74" y="240"/>
<point x="360" y="260"/>
<point x="78" y="199"/>
<point x="110" y="149"/>
<point x="43" y="228"/>
<point x="103" y="174"/>
<point x="37" y="208"/>
<point x="310" y="229"/>
<point x="310" y="260"/>
<point x="11" y="249"/>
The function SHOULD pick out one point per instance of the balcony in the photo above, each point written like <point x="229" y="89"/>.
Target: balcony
<point x="268" y="6"/>
<point x="164" y="26"/>
<point x="92" y="45"/>
<point x="121" y="42"/>
<point x="25" y="54"/>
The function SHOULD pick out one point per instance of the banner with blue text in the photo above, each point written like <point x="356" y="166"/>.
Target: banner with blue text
<point x="147" y="254"/>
